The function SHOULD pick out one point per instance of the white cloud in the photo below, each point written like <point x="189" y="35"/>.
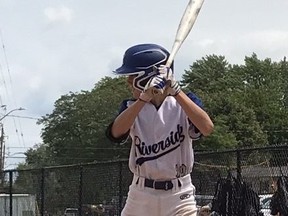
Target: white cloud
<point x="60" y="14"/>
<point x="206" y="43"/>
<point x="269" y="39"/>
<point x="265" y="43"/>
<point x="35" y="82"/>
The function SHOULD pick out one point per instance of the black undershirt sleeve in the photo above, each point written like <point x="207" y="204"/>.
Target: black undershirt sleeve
<point x="114" y="139"/>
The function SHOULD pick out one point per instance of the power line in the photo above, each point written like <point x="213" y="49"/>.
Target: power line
<point x="11" y="89"/>
<point x="26" y="117"/>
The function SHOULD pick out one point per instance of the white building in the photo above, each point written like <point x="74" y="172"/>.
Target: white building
<point x="22" y="205"/>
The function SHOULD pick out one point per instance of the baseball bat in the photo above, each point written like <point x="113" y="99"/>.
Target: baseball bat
<point x="186" y="23"/>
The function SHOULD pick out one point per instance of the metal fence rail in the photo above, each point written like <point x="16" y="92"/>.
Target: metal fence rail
<point x="101" y="188"/>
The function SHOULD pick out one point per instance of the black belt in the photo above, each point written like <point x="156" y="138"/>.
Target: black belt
<point x="158" y="185"/>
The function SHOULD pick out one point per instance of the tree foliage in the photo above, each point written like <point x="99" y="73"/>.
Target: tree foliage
<point x="75" y="131"/>
<point x="247" y="103"/>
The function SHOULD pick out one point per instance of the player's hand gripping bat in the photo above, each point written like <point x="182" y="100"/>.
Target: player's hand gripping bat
<point x="187" y="21"/>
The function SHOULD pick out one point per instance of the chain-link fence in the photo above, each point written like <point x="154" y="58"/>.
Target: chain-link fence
<point x="101" y="188"/>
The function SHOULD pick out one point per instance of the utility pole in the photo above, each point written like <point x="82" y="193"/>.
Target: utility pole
<point x="2" y="154"/>
<point x="2" y="144"/>
<point x="1" y="147"/>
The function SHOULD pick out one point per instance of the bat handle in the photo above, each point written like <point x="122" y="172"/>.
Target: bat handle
<point x="157" y="91"/>
<point x="161" y="91"/>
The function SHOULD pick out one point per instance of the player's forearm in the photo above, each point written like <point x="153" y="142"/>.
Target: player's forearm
<point x="125" y="120"/>
<point x="196" y="115"/>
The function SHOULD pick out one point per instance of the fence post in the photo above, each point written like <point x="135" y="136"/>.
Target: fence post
<point x="42" y="195"/>
<point x="11" y="192"/>
<point x="80" y="191"/>
<point x="120" y="188"/>
<point x="238" y="164"/>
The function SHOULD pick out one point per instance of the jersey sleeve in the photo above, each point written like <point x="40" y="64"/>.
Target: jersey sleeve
<point x="194" y="132"/>
<point x="195" y="99"/>
<point x="123" y="106"/>
<point x="123" y="138"/>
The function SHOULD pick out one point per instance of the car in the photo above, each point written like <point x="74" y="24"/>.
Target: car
<point x="203" y="203"/>
<point x="203" y="200"/>
<point x="71" y="212"/>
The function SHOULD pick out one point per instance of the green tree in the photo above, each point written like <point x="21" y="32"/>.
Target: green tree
<point x="75" y="131"/>
<point x="265" y="86"/>
<point x="247" y="103"/>
<point x="244" y="101"/>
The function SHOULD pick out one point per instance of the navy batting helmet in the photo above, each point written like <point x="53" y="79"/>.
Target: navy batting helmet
<point x="141" y="60"/>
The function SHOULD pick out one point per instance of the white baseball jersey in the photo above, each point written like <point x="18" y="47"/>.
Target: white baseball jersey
<point x="162" y="140"/>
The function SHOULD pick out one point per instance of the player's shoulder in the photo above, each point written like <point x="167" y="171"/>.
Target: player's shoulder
<point x="196" y="99"/>
<point x="126" y="103"/>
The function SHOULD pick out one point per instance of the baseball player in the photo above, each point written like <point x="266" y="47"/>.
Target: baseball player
<point x="162" y="128"/>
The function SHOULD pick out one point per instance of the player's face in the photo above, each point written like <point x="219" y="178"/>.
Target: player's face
<point x="130" y="80"/>
<point x="135" y="92"/>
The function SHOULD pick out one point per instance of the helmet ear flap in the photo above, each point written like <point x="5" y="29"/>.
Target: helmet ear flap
<point x="140" y="83"/>
<point x="155" y="69"/>
<point x="143" y="77"/>
<point x="142" y="60"/>
<point x="141" y="80"/>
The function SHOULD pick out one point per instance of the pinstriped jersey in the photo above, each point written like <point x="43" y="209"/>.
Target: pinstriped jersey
<point x="162" y="140"/>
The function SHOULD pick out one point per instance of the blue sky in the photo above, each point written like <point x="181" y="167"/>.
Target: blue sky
<point x="49" y="48"/>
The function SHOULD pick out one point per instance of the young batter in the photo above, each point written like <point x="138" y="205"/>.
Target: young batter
<point x="162" y="127"/>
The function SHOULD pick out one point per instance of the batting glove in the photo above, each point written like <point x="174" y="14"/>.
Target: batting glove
<point x="155" y="84"/>
<point x="173" y="87"/>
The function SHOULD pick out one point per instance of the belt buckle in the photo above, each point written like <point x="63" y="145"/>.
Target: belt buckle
<point x="166" y="185"/>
